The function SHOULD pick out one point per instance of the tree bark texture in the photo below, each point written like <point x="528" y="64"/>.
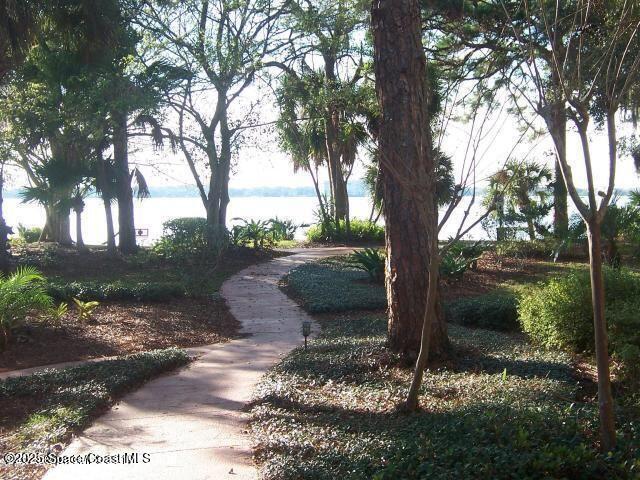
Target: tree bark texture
<point x="605" y="398"/>
<point x="407" y="167"/>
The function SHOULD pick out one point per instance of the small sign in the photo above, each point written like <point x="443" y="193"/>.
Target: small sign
<point x="142" y="232"/>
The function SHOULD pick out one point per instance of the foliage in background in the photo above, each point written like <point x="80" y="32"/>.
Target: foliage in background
<point x="21" y="293"/>
<point x="620" y="224"/>
<point x="63" y="401"/>
<point x="522" y="190"/>
<point x="459" y="257"/>
<point x="370" y="260"/>
<point x="362" y="231"/>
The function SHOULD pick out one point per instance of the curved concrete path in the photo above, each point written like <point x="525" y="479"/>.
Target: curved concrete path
<point x="191" y="423"/>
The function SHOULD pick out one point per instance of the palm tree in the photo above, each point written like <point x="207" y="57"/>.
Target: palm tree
<point x="524" y="188"/>
<point x="20" y="294"/>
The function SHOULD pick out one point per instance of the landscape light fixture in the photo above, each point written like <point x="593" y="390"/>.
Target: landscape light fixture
<point x="306" y="331"/>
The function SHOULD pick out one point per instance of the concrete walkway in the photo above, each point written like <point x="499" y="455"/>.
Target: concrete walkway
<point x="191" y="423"/>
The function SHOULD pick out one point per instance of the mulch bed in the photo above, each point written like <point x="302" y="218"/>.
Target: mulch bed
<point x="119" y="329"/>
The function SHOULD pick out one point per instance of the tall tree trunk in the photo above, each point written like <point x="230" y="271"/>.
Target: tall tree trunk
<point x="332" y="130"/>
<point x="79" y="240"/>
<point x="557" y="125"/>
<point x="57" y="226"/>
<point x="531" y="229"/>
<point x="225" y="169"/>
<point x="5" y="230"/>
<point x="407" y="167"/>
<point x="124" y="193"/>
<point x="111" y="235"/>
<point x="605" y="399"/>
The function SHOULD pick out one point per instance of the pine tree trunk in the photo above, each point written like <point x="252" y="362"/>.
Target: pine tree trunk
<point x="407" y="168"/>
<point x="605" y="399"/>
<point x="124" y="193"/>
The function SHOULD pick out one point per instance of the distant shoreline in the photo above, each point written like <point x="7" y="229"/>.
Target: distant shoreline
<point x="356" y="189"/>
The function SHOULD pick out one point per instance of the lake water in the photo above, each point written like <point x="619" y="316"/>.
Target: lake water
<point x="152" y="212"/>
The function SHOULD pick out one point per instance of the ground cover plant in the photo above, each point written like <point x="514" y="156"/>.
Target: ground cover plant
<point x="334" y="285"/>
<point x="145" y="302"/>
<point x="499" y="409"/>
<point x="39" y="412"/>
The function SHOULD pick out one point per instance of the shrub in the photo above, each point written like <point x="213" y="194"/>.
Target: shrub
<point x="558" y="314"/>
<point x="492" y="311"/>
<point x="191" y="238"/>
<point x="21" y="293"/>
<point x="539" y="248"/>
<point x="85" y="309"/>
<point x="283" y="229"/>
<point x="29" y="234"/>
<point x="254" y="233"/>
<point x="362" y="231"/>
<point x="370" y="260"/>
<point x="118" y="290"/>
<point x="453" y="266"/>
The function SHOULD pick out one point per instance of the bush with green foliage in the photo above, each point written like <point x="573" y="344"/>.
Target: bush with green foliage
<point x="558" y="313"/>
<point x="492" y="311"/>
<point x="62" y="401"/>
<point x="21" y="293"/>
<point x="29" y="234"/>
<point x="117" y="290"/>
<point x="362" y="231"/>
<point x="191" y="239"/>
<point x="370" y="260"/>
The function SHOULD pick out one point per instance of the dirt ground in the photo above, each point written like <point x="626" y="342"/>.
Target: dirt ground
<point x="119" y="329"/>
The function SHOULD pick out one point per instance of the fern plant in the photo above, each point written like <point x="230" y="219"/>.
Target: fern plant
<point x="21" y="293"/>
<point x="85" y="309"/>
<point x="370" y="260"/>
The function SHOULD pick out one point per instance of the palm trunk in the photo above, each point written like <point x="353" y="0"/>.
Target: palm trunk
<point x="124" y="193"/>
<point x="409" y="198"/>
<point x="5" y="230"/>
<point x="111" y="236"/>
<point x="605" y="399"/>
<point x="79" y="240"/>
<point x="557" y="125"/>
<point x="57" y="226"/>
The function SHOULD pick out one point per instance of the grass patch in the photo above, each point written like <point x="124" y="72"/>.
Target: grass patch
<point x="332" y="285"/>
<point x="502" y="409"/>
<point x="43" y="409"/>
